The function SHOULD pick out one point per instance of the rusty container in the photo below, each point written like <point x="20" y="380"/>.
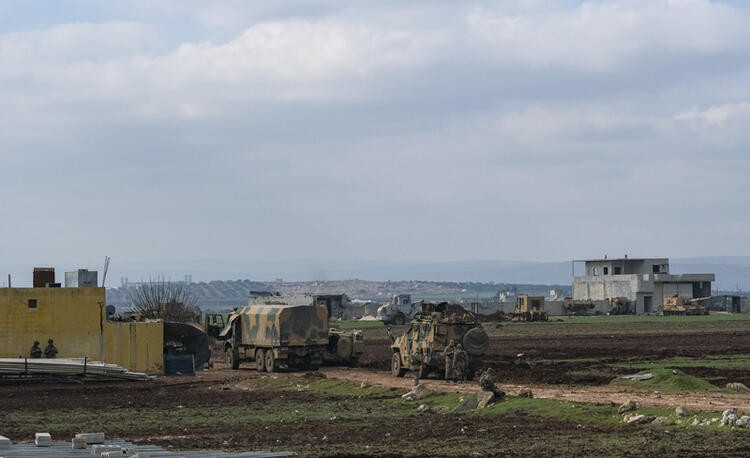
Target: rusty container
<point x="43" y="276"/>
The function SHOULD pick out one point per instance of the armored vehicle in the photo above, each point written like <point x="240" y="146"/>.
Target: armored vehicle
<point x="679" y="305"/>
<point x="276" y="335"/>
<point x="429" y="333"/>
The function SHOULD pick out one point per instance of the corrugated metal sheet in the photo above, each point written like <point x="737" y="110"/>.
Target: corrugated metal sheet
<point x="64" y="449"/>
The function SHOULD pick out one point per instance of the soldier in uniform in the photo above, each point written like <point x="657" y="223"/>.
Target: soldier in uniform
<point x="36" y="350"/>
<point x="50" y="351"/>
<point x="449" y="352"/>
<point x="415" y="364"/>
<point x="487" y="382"/>
<point x="460" y="364"/>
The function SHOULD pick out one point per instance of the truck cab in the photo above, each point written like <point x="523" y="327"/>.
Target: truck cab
<point x="398" y="311"/>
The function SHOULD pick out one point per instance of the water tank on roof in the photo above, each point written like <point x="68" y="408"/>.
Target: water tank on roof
<point x="43" y="276"/>
<point x="81" y="278"/>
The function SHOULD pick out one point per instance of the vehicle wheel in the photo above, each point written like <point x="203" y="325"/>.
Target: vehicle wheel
<point x="476" y="341"/>
<point x="270" y="361"/>
<point x="233" y="358"/>
<point x="260" y="364"/>
<point x="396" y="368"/>
<point x="399" y="319"/>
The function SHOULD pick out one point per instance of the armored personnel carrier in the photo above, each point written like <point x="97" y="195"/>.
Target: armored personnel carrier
<point x="429" y="333"/>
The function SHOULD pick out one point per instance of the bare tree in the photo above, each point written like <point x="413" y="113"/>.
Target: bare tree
<point x="171" y="301"/>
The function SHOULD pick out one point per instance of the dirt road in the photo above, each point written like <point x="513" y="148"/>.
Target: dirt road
<point x="710" y="402"/>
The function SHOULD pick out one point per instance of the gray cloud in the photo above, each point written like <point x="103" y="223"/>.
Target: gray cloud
<point x="376" y="130"/>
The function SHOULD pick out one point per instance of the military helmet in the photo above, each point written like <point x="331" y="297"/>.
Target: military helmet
<point x="36" y="342"/>
<point x="50" y="341"/>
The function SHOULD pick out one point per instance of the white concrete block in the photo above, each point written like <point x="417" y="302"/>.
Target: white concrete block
<point x="4" y="443"/>
<point x="116" y="454"/>
<point x="97" y="450"/>
<point x="78" y="442"/>
<point x="92" y="438"/>
<point x="43" y="440"/>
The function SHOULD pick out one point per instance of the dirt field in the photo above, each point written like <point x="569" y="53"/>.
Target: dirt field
<point x="561" y="353"/>
<point x="221" y="408"/>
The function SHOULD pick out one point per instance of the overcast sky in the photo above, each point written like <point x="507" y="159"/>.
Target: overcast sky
<point x="372" y="130"/>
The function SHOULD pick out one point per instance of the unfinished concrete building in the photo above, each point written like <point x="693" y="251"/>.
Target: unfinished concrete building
<point x="643" y="283"/>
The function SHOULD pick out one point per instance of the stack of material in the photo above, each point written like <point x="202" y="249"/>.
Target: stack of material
<point x="4" y="443"/>
<point x="91" y="438"/>
<point x="70" y="367"/>
<point x="99" y="450"/>
<point x="78" y="443"/>
<point x="43" y="440"/>
<point x="63" y="450"/>
<point x="124" y="449"/>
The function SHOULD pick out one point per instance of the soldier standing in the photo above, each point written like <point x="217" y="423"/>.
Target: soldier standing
<point x="36" y="350"/>
<point x="50" y="351"/>
<point x="449" y="352"/>
<point x="415" y="364"/>
<point x="460" y="363"/>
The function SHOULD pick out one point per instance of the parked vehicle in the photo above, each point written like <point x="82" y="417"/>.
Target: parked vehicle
<point x="433" y="328"/>
<point x="399" y="310"/>
<point x="529" y="308"/>
<point x="282" y="335"/>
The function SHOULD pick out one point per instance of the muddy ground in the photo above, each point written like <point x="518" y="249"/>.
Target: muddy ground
<point x="553" y="377"/>
<point x="557" y="352"/>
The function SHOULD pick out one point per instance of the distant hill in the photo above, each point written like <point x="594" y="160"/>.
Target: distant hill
<point x="732" y="273"/>
<point x="220" y="294"/>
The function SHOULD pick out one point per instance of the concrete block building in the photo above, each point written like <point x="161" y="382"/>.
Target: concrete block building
<point x="644" y="282"/>
<point x="76" y="319"/>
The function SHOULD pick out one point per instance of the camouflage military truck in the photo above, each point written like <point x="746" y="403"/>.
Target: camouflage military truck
<point x="276" y="336"/>
<point x="433" y="328"/>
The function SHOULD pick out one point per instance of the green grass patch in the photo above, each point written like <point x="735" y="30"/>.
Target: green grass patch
<point x="571" y="411"/>
<point x="358" y="324"/>
<point x="620" y="325"/>
<point x="666" y="379"/>
<point x="718" y="362"/>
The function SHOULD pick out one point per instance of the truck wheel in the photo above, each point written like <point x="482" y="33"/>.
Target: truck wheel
<point x="396" y="368"/>
<point x="270" y="361"/>
<point x="233" y="358"/>
<point x="399" y="319"/>
<point x="260" y="359"/>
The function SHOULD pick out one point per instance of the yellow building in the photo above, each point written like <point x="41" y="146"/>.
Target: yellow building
<point x="76" y="319"/>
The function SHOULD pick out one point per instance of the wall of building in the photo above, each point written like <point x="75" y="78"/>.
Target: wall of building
<point x="74" y="318"/>
<point x="603" y="287"/>
<point x="139" y="346"/>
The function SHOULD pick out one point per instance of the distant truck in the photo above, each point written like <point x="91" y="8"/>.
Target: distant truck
<point x="430" y="332"/>
<point x="281" y="335"/>
<point x="529" y="308"/>
<point x="399" y="310"/>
